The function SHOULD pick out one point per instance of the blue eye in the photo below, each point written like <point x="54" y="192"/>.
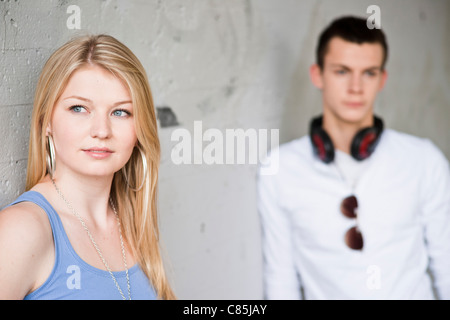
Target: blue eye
<point x="341" y="71"/>
<point x="121" y="113"/>
<point x="77" y="109"/>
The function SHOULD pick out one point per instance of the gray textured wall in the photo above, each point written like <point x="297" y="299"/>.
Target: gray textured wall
<point x="231" y="64"/>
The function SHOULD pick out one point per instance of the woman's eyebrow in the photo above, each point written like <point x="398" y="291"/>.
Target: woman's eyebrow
<point x="90" y="101"/>
<point x="121" y="102"/>
<point x="79" y="98"/>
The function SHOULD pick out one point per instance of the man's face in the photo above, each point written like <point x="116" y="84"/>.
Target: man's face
<point x="350" y="80"/>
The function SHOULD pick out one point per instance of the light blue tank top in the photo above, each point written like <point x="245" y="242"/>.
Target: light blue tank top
<point x="74" y="279"/>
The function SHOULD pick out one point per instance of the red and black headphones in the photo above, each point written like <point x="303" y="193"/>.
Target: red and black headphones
<point x="363" y="144"/>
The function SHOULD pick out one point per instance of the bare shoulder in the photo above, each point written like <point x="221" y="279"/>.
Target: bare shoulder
<point x="26" y="243"/>
<point x="26" y="220"/>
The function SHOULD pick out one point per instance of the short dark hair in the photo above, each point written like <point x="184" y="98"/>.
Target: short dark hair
<point x="352" y="29"/>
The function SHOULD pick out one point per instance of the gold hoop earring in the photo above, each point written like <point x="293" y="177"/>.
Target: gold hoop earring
<point x="51" y="166"/>
<point x="144" y="166"/>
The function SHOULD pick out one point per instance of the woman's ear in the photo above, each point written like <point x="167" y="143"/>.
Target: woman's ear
<point x="48" y="131"/>
<point x="315" y="74"/>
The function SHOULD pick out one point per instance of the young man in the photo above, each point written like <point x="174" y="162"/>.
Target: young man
<point x="356" y="211"/>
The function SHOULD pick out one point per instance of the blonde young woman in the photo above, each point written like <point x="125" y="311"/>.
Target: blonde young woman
<point x="86" y="228"/>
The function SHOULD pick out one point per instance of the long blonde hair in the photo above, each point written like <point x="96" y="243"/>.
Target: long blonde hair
<point x="136" y="207"/>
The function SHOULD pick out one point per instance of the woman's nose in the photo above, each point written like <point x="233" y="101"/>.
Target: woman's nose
<point x="100" y="126"/>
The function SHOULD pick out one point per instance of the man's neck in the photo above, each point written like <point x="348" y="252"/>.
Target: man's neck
<point x="342" y="132"/>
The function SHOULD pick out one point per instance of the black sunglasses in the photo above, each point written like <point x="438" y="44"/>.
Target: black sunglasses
<point x="353" y="237"/>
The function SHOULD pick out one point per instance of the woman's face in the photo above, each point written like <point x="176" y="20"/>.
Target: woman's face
<point x="92" y="124"/>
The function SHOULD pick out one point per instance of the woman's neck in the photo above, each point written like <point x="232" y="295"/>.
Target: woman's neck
<point x="89" y="196"/>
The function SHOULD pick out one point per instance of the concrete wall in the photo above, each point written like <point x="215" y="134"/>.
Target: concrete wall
<point x="231" y="64"/>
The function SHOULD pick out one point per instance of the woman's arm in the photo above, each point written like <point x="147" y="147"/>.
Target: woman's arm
<point x="26" y="250"/>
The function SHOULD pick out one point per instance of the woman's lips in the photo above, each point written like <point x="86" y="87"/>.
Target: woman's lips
<point x="98" y="153"/>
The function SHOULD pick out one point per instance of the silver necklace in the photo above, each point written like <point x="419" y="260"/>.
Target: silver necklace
<point x="95" y="244"/>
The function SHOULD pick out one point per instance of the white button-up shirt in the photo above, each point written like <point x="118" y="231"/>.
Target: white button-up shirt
<point x="403" y="193"/>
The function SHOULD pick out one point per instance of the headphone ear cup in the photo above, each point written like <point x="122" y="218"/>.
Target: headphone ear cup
<point x="366" y="140"/>
<point x="323" y="146"/>
<point x="362" y="145"/>
<point x="321" y="141"/>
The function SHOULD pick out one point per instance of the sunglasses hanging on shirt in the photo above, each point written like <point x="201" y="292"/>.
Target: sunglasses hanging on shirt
<point x="353" y="237"/>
